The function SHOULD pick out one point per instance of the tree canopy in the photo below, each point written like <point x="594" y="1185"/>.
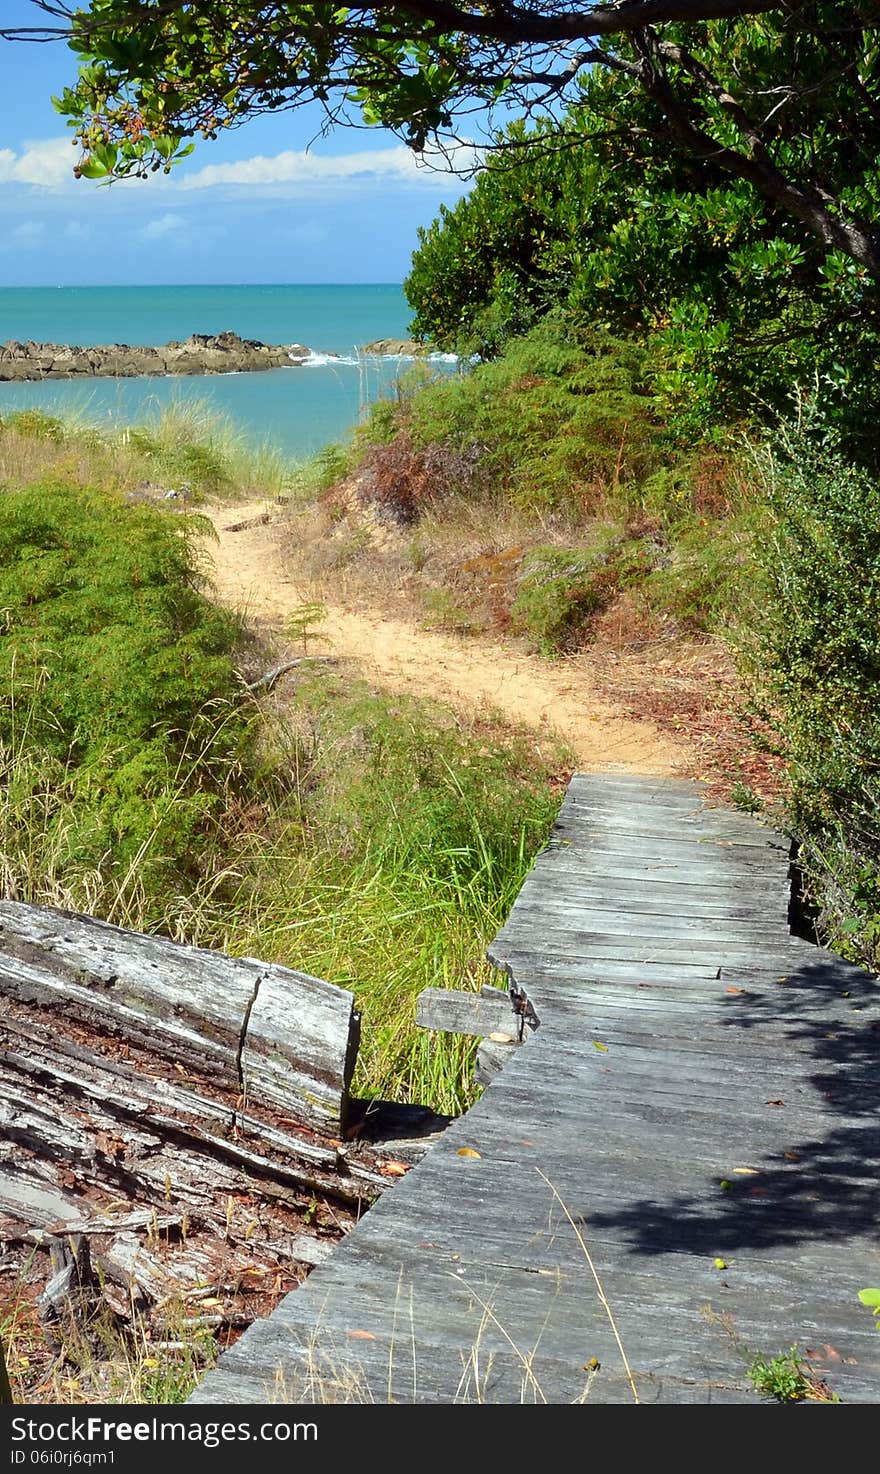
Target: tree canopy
<point x="783" y="95"/>
<point x="738" y="310"/>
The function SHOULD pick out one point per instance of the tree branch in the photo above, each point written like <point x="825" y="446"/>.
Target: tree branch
<point x="806" y="202"/>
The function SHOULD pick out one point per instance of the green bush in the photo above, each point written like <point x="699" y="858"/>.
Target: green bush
<point x="607" y="225"/>
<point x="560" y="589"/>
<point x="815" y="659"/>
<point x="34" y="424"/>
<point x="116" y="673"/>
<point x="553" y="425"/>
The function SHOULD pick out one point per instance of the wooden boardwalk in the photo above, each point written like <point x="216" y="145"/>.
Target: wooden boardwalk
<point x="698" y="1109"/>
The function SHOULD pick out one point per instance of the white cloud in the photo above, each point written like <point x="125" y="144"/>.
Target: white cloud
<point x="48" y="162"/>
<point x="162" y="226"/>
<point x="297" y="167"/>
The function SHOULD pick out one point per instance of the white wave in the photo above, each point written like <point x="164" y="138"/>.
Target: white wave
<point x="413" y="357"/>
<point x="354" y="360"/>
<point x="326" y="360"/>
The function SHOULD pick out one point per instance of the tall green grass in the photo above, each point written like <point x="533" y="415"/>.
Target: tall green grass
<point x="391" y="862"/>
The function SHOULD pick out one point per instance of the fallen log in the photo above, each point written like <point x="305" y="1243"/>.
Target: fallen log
<point x="173" y="1114"/>
<point x="276" y="1037"/>
<point x="175" y="1144"/>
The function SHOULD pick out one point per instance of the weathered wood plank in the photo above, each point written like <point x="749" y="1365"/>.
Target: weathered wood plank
<point x="520" y="943"/>
<point x="299" y="1045"/>
<point x="477" y="1014"/>
<point x="605" y="916"/>
<point x="492" y="1057"/>
<point x="624" y="897"/>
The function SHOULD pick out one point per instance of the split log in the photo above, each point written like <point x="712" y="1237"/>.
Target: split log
<point x="280" y="1038"/>
<point x="177" y="1110"/>
<point x="171" y="1126"/>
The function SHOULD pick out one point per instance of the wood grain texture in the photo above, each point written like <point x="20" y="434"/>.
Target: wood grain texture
<point x="284" y="1040"/>
<point x="698" y="1108"/>
<point x="455" y="1012"/>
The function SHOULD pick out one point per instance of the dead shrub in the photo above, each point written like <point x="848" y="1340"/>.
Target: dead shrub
<point x="405" y="479"/>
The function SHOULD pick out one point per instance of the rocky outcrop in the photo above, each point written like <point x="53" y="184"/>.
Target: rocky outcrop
<point x="203" y="353"/>
<point x="395" y="347"/>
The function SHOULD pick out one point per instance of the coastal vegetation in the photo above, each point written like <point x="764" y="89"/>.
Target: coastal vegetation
<point x="668" y="428"/>
<point x="369" y="838"/>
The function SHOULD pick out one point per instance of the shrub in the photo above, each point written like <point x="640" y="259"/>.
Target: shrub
<point x="405" y="479"/>
<point x="815" y="661"/>
<point x="560" y="590"/>
<point x="554" y="425"/>
<point x="116" y="673"/>
<point x="34" y="424"/>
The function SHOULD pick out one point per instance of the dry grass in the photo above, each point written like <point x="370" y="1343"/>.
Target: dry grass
<point x="321" y="1372"/>
<point x="456" y="567"/>
<point x="103" y="1360"/>
<point x="457" y="570"/>
<point x="693" y="687"/>
<point x="185" y="449"/>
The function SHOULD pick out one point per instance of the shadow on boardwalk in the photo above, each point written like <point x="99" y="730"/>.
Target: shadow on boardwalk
<point x="823" y="1187"/>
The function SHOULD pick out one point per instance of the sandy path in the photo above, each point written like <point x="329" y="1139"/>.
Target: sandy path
<point x="470" y="675"/>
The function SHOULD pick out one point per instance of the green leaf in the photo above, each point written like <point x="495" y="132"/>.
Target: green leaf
<point x="165" y="145"/>
<point x="106" y="155"/>
<point x="91" y="169"/>
<point x="871" y="1298"/>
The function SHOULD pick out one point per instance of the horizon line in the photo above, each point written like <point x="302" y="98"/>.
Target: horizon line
<point x="152" y="286"/>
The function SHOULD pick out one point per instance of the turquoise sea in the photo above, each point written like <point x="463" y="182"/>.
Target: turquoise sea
<point x="297" y="409"/>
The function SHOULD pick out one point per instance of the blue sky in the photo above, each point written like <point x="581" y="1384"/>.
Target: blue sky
<point x="265" y="203"/>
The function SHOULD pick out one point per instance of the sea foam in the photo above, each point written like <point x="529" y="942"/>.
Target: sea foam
<point x="354" y="360"/>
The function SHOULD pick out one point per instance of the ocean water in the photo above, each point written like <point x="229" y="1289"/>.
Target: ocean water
<point x="299" y="409"/>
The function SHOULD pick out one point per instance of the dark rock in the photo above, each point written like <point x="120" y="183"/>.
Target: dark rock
<point x="202" y="353"/>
